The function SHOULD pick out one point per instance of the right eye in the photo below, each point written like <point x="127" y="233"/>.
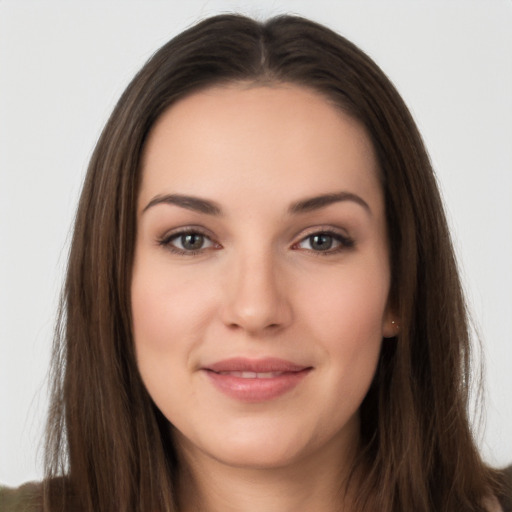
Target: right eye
<point x="187" y="243"/>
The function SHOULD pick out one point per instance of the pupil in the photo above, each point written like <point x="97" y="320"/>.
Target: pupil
<point x="192" y="241"/>
<point x="321" y="242"/>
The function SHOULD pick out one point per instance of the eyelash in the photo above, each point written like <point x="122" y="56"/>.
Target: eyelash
<point x="167" y="240"/>
<point x="345" y="242"/>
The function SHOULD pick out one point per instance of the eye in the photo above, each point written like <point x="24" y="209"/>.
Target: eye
<point x="187" y="242"/>
<point x="327" y="242"/>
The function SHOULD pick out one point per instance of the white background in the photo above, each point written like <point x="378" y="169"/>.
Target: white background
<point x="63" y="66"/>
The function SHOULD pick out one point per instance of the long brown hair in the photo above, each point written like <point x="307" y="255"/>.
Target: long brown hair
<point x="106" y="435"/>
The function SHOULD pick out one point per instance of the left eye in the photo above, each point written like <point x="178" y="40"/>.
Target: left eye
<point x="324" y="242"/>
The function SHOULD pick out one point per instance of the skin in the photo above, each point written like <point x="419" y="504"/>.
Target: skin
<point x="259" y="287"/>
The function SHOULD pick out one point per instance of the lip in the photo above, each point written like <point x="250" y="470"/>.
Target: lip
<point x="255" y="380"/>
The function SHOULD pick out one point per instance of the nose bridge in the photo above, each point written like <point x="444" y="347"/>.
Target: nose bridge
<point x="257" y="299"/>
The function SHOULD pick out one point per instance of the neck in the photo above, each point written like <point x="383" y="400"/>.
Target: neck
<point x="314" y="484"/>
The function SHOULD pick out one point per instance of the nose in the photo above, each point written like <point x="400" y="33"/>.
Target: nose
<point x="257" y="298"/>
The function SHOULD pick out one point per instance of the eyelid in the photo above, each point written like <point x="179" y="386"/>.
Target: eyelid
<point x="344" y="240"/>
<point x="322" y="228"/>
<point x="169" y="236"/>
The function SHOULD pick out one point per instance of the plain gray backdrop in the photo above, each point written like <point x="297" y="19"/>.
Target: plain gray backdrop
<point x="63" y="66"/>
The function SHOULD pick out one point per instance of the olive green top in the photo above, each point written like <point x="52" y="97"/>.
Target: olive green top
<point x="27" y="498"/>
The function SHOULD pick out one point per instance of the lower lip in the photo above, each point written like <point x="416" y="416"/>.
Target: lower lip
<point x="256" y="390"/>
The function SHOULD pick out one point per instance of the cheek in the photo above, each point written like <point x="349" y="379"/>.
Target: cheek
<point x="352" y="300"/>
<point x="345" y="313"/>
<point x="167" y="309"/>
<point x="152" y="314"/>
<point x="167" y="315"/>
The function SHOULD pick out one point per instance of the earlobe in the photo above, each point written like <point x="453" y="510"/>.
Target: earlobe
<point x="390" y="328"/>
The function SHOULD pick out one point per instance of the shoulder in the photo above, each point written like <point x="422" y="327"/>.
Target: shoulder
<point x="506" y="496"/>
<point x="26" y="498"/>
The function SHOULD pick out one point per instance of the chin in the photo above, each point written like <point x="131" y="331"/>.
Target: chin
<point x="262" y="456"/>
<point x="263" y="444"/>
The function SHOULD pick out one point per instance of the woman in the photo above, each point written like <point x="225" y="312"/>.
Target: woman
<point x="262" y="307"/>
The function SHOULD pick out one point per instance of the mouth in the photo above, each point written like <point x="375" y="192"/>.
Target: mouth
<point x="255" y="380"/>
<point x="253" y="375"/>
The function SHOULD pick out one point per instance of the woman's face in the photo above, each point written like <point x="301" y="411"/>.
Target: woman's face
<point x="261" y="274"/>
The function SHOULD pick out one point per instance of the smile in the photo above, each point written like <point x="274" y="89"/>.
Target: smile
<point x="260" y="380"/>
<point x="253" y="375"/>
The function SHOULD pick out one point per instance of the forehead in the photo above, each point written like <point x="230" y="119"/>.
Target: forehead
<point x="280" y="140"/>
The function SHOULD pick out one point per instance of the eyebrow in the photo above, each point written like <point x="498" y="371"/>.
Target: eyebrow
<point x="188" y="202"/>
<point x="208" y="207"/>
<point x="322" y="201"/>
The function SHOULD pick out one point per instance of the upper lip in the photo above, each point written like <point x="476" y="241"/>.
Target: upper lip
<point x="242" y="364"/>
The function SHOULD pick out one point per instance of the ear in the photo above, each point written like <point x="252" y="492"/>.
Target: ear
<point x="390" y="324"/>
